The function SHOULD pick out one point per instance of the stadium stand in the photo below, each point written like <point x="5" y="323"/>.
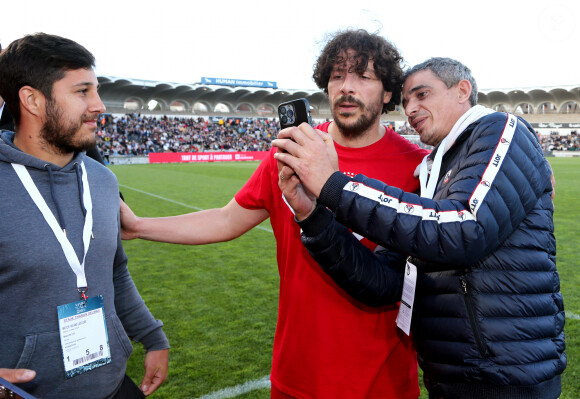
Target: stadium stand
<point x="136" y="134"/>
<point x="147" y="116"/>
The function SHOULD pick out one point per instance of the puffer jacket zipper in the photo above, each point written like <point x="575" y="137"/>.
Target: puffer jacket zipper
<point x="472" y="319"/>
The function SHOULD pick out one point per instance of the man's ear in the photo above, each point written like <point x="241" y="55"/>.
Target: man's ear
<point x="463" y="91"/>
<point x="387" y="97"/>
<point x="32" y="101"/>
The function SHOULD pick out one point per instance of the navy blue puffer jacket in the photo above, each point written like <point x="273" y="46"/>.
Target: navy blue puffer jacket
<point x="488" y="316"/>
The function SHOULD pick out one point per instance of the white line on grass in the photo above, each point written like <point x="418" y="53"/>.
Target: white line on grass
<point x="238" y="390"/>
<point x="571" y="315"/>
<point x="180" y="203"/>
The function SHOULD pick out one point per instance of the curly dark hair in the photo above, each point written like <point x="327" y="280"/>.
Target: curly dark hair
<point x="368" y="46"/>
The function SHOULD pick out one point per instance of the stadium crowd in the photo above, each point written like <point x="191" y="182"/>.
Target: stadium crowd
<point x="136" y="134"/>
<point x="555" y="142"/>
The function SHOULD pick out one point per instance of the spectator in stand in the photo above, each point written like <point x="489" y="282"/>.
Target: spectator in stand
<point x="556" y="142"/>
<point x="134" y="134"/>
<point x="138" y="135"/>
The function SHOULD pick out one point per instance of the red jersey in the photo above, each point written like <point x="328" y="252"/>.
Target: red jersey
<point x="327" y="344"/>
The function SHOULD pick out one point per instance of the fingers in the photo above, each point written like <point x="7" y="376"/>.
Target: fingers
<point x="286" y="162"/>
<point x="156" y="368"/>
<point x="300" y="135"/>
<point x="308" y="131"/>
<point x="327" y="138"/>
<point x="287" y="183"/>
<point x="17" y="376"/>
<point x="285" y="133"/>
<point x="286" y="172"/>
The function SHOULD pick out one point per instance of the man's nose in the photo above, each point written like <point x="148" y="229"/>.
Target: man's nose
<point x="348" y="85"/>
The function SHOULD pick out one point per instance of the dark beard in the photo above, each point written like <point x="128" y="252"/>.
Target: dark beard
<point x="360" y="126"/>
<point x="60" y="136"/>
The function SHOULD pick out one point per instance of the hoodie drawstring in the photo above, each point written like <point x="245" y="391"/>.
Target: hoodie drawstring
<point x="58" y="211"/>
<point x="78" y="172"/>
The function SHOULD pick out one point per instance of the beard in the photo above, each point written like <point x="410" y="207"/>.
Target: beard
<point x="61" y="134"/>
<point x="357" y="128"/>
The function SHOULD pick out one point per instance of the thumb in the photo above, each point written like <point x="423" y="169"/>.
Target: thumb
<point x="147" y="380"/>
<point x="330" y="148"/>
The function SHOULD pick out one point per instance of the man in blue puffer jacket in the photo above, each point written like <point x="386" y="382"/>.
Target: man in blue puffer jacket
<point x="488" y="315"/>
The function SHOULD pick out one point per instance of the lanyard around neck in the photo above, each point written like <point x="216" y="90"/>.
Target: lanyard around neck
<point x="76" y="265"/>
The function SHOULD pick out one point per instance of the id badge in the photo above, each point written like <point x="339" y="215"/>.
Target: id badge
<point x="406" y="307"/>
<point x="83" y="336"/>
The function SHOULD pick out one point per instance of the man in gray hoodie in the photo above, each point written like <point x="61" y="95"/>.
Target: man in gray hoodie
<point x="69" y="304"/>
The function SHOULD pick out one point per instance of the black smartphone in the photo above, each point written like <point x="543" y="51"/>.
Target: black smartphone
<point x="293" y="113"/>
<point x="10" y="391"/>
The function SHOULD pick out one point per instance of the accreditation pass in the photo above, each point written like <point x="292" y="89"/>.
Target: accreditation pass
<point x="83" y="336"/>
<point x="406" y="307"/>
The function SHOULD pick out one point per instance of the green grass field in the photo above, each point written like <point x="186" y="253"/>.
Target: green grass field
<point x="219" y="301"/>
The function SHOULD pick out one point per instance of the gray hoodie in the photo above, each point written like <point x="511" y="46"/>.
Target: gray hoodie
<point x="35" y="277"/>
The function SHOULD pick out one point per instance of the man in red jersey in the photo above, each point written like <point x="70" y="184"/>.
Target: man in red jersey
<point x="327" y="344"/>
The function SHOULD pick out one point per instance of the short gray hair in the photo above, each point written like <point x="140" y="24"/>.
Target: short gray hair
<point x="449" y="71"/>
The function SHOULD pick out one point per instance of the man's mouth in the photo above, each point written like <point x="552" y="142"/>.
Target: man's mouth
<point x="348" y="104"/>
<point x="417" y="122"/>
<point x="91" y="121"/>
<point x="347" y="107"/>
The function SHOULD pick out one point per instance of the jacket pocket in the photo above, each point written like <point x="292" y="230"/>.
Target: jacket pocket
<point x="468" y="296"/>
<point x="41" y="349"/>
<point x="118" y="334"/>
<point x="42" y="352"/>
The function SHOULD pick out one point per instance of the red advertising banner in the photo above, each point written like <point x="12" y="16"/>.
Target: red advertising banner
<point x="168" y="157"/>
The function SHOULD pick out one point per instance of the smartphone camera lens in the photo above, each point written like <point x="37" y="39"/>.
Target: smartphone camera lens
<point x="290" y="113"/>
<point x="284" y="119"/>
<point x="282" y="110"/>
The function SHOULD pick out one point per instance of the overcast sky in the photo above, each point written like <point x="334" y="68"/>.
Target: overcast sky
<point x="505" y="43"/>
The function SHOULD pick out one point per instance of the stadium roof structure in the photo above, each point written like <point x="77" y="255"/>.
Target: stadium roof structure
<point x="554" y="99"/>
<point x="130" y="95"/>
<point x="197" y="98"/>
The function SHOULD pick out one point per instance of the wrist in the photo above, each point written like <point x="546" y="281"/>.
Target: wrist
<point x="316" y="222"/>
<point x="139" y="231"/>
<point x="304" y="215"/>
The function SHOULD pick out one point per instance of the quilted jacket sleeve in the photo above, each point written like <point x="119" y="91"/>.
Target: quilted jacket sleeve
<point x="460" y="225"/>
<point x="373" y="278"/>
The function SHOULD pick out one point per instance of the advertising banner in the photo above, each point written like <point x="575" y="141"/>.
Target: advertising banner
<point x="174" y="157"/>
<point x="554" y="125"/>
<point x="238" y="82"/>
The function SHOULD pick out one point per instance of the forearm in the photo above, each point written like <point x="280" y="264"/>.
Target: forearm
<point x="195" y="228"/>
<point x="203" y="227"/>
<point x="374" y="279"/>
